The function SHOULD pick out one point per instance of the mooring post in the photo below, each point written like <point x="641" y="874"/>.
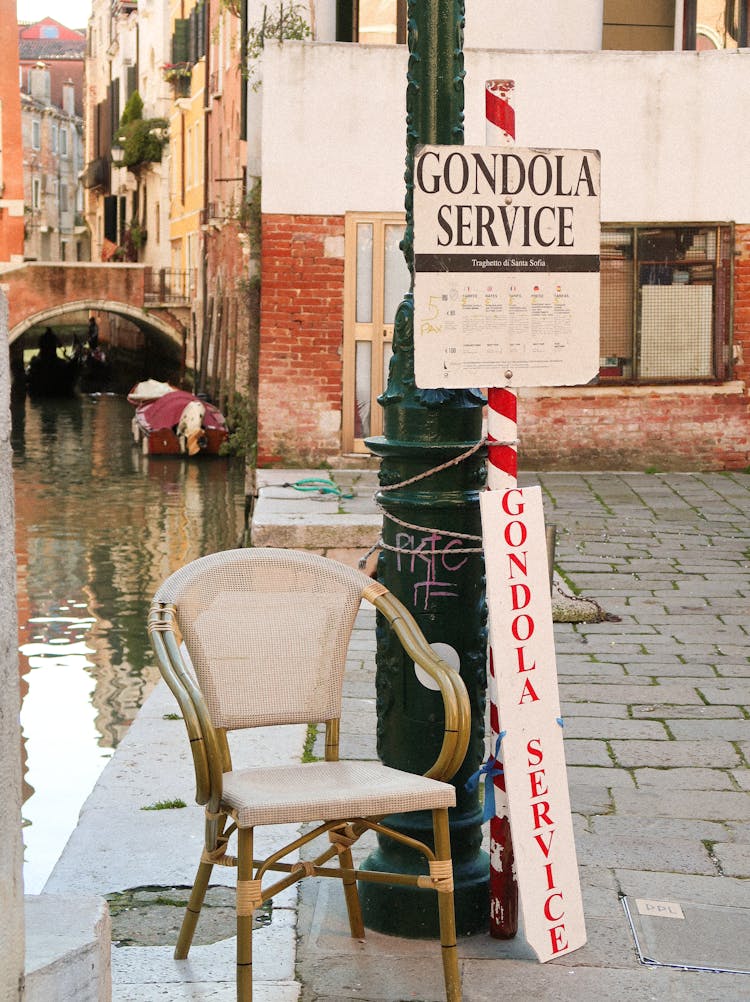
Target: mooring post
<point x="432" y="557"/>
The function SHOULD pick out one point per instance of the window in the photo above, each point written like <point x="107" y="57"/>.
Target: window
<point x="181" y="40"/>
<point x="197" y="32"/>
<point x="371" y="22"/>
<point x="715" y="24"/>
<point x="36" y="134"/>
<point x="64" y="203"/>
<point x="665" y="302"/>
<point x="53" y="136"/>
<point x="36" y="193"/>
<point x="63" y="142"/>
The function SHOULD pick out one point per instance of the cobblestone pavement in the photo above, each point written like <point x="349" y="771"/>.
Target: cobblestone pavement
<point x="657" y="737"/>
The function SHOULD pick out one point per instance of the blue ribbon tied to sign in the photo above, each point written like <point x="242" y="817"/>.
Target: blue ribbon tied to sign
<point x="492" y="767"/>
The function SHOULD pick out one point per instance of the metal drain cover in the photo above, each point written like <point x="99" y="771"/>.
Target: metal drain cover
<point x="690" y="936"/>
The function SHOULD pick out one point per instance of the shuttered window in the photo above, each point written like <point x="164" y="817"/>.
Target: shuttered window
<point x="181" y="41"/>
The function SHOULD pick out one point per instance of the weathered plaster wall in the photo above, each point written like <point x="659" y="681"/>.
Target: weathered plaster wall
<point x="671" y="131"/>
<point x="523" y="24"/>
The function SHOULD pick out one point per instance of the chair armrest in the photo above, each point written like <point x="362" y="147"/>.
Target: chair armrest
<point x="204" y="741"/>
<point x="449" y="682"/>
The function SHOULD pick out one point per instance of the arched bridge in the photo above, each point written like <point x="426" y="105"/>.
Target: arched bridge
<point x="156" y="301"/>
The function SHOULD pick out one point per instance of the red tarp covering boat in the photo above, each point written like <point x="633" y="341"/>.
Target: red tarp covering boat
<point x="179" y="423"/>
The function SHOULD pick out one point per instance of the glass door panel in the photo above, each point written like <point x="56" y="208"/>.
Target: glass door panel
<point x="395" y="272"/>
<point x="362" y="388"/>
<point x="364" y="273"/>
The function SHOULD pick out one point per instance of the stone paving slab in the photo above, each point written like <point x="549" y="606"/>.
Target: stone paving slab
<point x="624" y="826"/>
<point x="734" y="692"/>
<point x="708" y="804"/>
<point x="608" y="727"/>
<point x="737" y="729"/>
<point x="665" y="695"/>
<point x="699" y="712"/>
<point x="685" y="779"/>
<point x="734" y="858"/>
<point x="674" y="753"/>
<point x="643" y="853"/>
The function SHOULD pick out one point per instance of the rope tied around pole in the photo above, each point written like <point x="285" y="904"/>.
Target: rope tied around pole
<point x="469" y="537"/>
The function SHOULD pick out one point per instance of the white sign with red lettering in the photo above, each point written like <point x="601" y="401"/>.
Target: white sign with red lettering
<point x="523" y="647"/>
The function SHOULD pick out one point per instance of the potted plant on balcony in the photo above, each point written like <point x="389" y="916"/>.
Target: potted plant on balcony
<point x="178" y="75"/>
<point x="139" y="140"/>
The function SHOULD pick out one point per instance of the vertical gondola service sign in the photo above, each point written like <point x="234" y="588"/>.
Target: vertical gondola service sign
<point x="526" y="695"/>
<point x="506" y="266"/>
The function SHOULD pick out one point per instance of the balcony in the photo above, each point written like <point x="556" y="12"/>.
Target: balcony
<point x="96" y="174"/>
<point x="168" y="287"/>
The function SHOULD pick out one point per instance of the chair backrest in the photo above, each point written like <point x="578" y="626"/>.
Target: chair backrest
<point x="267" y="632"/>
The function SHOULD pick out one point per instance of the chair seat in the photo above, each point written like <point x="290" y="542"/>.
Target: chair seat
<point x="328" y="791"/>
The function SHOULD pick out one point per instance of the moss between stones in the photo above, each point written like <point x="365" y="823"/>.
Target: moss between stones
<point x="151" y="916"/>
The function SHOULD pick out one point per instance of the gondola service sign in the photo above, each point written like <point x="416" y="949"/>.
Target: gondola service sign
<point x="506" y="266"/>
<point x="526" y="695"/>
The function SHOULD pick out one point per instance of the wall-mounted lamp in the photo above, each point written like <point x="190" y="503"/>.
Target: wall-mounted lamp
<point x="117" y="153"/>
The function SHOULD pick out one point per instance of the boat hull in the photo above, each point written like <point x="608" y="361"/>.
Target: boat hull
<point x="177" y="423"/>
<point x="164" y="441"/>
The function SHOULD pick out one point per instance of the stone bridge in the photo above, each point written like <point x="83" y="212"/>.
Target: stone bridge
<point x="158" y="302"/>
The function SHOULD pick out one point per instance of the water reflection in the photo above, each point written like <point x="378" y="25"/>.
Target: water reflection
<point x="98" y="526"/>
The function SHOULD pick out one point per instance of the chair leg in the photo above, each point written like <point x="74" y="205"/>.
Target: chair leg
<point x="446" y="911"/>
<point x="354" y="911"/>
<point x="195" y="902"/>
<point x="245" y="908"/>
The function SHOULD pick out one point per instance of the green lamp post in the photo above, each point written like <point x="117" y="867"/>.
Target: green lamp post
<point x="431" y="557"/>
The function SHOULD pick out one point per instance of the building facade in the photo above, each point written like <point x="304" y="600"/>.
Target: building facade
<point x="675" y="262"/>
<point x="127" y="152"/>
<point x="51" y="84"/>
<point x="230" y="218"/>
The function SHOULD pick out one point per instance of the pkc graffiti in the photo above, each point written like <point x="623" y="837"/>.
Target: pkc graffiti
<point x="429" y="557"/>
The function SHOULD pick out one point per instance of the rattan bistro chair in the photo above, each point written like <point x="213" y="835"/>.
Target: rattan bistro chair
<point x="266" y="633"/>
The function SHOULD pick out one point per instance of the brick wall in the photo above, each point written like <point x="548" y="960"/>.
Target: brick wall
<point x="635" y="428"/>
<point x="681" y="427"/>
<point x="302" y="305"/>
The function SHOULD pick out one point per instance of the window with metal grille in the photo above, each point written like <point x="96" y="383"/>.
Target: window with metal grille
<point x="666" y="302"/>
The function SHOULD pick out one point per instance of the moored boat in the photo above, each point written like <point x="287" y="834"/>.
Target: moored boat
<point x="178" y="423"/>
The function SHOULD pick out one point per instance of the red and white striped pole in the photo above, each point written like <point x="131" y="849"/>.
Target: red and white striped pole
<point x="502" y="431"/>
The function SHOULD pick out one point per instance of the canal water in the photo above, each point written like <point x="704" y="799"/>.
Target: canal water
<point x="98" y="527"/>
